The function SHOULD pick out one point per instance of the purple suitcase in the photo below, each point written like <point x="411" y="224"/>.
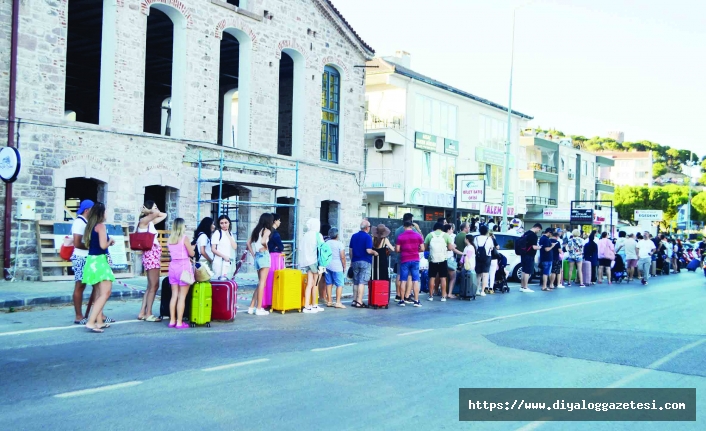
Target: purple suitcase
<point x="586" y="272"/>
<point x="277" y="264"/>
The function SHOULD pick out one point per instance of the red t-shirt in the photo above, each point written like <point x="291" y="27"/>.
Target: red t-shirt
<point x="409" y="242"/>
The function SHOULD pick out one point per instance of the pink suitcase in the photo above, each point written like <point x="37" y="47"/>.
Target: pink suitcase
<point x="277" y="264"/>
<point x="586" y="272"/>
<point x="225" y="299"/>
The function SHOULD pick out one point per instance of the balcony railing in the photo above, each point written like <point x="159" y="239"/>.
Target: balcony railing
<point x="539" y="200"/>
<point x="606" y="182"/>
<point x="374" y="122"/>
<point x="542" y="168"/>
<point x="384" y="178"/>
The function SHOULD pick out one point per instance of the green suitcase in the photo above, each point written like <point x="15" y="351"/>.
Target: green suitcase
<point x="574" y="275"/>
<point x="201" y="304"/>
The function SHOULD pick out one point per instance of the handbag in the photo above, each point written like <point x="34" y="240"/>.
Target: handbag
<point x="202" y="272"/>
<point x="350" y="272"/>
<point x="187" y="277"/>
<point x="67" y="248"/>
<point x="141" y="241"/>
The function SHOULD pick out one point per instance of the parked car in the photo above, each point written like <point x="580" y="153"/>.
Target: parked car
<point x="506" y="244"/>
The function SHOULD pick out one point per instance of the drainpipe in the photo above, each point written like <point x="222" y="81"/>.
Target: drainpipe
<point x="11" y="133"/>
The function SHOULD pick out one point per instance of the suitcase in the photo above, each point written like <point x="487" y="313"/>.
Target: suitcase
<point x="693" y="265"/>
<point x="201" y="304"/>
<point x="468" y="284"/>
<point x="166" y="296"/>
<point x="286" y="290"/>
<point x="315" y="289"/>
<point x="378" y="290"/>
<point x="277" y="264"/>
<point x="424" y="281"/>
<point x="666" y="268"/>
<point x="574" y="275"/>
<point x="587" y="272"/>
<point x="225" y="299"/>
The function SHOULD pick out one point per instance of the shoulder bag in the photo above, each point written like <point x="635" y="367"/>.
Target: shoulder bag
<point x="141" y="241"/>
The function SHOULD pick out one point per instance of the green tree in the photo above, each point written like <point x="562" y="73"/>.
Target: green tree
<point x="702" y="180"/>
<point x="698" y="203"/>
<point x="658" y="169"/>
<point x="668" y="199"/>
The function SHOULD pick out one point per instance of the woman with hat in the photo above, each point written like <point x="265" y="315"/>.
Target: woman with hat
<point x="381" y="244"/>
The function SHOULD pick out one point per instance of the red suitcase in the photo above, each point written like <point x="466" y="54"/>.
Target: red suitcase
<point x="225" y="299"/>
<point x="378" y="290"/>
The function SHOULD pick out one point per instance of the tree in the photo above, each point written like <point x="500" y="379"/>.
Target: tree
<point x="698" y="203"/>
<point x="658" y="169"/>
<point x="702" y="180"/>
<point x="668" y="199"/>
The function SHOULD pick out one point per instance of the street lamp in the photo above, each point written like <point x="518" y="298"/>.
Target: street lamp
<point x="690" y="163"/>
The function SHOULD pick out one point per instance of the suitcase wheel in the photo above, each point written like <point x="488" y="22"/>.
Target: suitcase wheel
<point x="208" y="325"/>
<point x="193" y="325"/>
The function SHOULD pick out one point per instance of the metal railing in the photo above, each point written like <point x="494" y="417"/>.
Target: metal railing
<point x="375" y="122"/>
<point x="606" y="182"/>
<point x="539" y="200"/>
<point x="384" y="178"/>
<point x="542" y="168"/>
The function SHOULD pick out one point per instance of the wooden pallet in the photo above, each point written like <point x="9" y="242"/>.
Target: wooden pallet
<point x="53" y="268"/>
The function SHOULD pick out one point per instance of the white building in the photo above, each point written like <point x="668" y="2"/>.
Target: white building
<point x="632" y="168"/>
<point x="421" y="132"/>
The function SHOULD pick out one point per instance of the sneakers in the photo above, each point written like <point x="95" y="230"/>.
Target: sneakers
<point x="443" y="299"/>
<point x="261" y="312"/>
<point x="308" y="310"/>
<point x="251" y="310"/>
<point x="478" y="292"/>
<point x="397" y="297"/>
<point x="644" y="282"/>
<point x="560" y="286"/>
<point x="400" y="303"/>
<point x="526" y="290"/>
<point x="417" y="304"/>
<point x="430" y="298"/>
<point x="409" y="300"/>
<point x="317" y="309"/>
<point x="482" y="293"/>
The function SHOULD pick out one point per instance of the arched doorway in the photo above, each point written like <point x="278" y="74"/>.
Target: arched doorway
<point x="79" y="189"/>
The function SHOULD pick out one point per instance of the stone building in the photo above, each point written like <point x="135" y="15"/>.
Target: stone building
<point x="116" y="100"/>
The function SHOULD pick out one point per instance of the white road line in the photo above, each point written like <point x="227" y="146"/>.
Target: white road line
<point x="414" y="332"/>
<point x="634" y="376"/>
<point x="323" y="349"/>
<point x="59" y="328"/>
<point x="237" y="364"/>
<point x="544" y="310"/>
<point x="96" y="390"/>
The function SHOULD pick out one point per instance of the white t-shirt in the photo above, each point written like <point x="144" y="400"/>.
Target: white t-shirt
<point x="79" y="228"/>
<point x="620" y="244"/>
<point x="645" y="246"/>
<point x="307" y="249"/>
<point x="203" y="241"/>
<point x="630" y="252"/>
<point x="223" y="244"/>
<point x="484" y="242"/>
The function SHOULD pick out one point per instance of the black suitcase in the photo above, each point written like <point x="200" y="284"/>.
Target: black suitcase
<point x="166" y="297"/>
<point x="467" y="285"/>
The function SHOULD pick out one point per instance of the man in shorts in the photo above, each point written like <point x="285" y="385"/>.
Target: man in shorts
<point x="439" y="244"/>
<point x="409" y="244"/>
<point x="408" y="217"/>
<point x="546" y="256"/>
<point x="361" y="253"/>
<point x="630" y="247"/>
<point x="527" y="258"/>
<point x="555" y="277"/>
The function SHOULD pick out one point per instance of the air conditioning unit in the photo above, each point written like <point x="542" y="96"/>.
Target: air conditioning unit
<point x="381" y="146"/>
<point x="571" y="174"/>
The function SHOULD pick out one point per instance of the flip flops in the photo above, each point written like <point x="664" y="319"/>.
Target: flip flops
<point x="152" y="318"/>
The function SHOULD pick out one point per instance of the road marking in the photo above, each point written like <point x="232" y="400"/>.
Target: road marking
<point x="544" y="310"/>
<point x="96" y="390"/>
<point x="237" y="364"/>
<point x="636" y="375"/>
<point x="414" y="332"/>
<point x="59" y="328"/>
<point x="323" y="349"/>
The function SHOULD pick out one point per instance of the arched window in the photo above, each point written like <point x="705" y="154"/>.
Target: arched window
<point x="330" y="114"/>
<point x="290" y="126"/>
<point x="234" y="89"/>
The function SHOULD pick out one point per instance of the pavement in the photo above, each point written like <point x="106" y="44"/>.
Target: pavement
<point x="351" y="369"/>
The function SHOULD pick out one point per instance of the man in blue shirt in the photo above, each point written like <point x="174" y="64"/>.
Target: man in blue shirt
<point x="546" y="256"/>
<point x="361" y="252"/>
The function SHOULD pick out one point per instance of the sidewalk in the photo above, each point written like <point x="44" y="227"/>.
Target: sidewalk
<point x="18" y="294"/>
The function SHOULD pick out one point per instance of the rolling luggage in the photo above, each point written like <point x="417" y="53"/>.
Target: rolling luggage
<point x="277" y="264"/>
<point x="315" y="289"/>
<point x="693" y="265"/>
<point x="424" y="281"/>
<point x="225" y="299"/>
<point x="587" y="272"/>
<point x="166" y="297"/>
<point x="201" y="304"/>
<point x="287" y="290"/>
<point x="378" y="290"/>
<point x="468" y="284"/>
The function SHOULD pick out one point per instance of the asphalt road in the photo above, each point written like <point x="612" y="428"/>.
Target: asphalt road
<point x="352" y="369"/>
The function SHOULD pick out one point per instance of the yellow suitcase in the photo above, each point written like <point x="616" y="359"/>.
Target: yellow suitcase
<point x="286" y="290"/>
<point x="316" y="289"/>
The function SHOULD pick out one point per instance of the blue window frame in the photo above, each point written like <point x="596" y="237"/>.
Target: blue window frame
<point x="330" y="114"/>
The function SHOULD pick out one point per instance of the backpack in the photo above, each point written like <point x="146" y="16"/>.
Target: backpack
<point x="437" y="248"/>
<point x="482" y="255"/>
<point x="323" y="252"/>
<point x="521" y="245"/>
<point x="197" y="252"/>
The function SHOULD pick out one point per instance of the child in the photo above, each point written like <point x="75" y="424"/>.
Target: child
<point x="180" y="267"/>
<point x="222" y="244"/>
<point x="335" y="269"/>
<point x="469" y="262"/>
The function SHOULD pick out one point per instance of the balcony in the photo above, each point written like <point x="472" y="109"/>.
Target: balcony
<point x="607" y="186"/>
<point x="389" y="183"/>
<point x="540" y="172"/>
<point x="541" y="168"/>
<point x="539" y="143"/>
<point x="540" y="200"/>
<point x="374" y="122"/>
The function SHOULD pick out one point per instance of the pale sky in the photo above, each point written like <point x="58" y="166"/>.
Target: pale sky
<point x="585" y="67"/>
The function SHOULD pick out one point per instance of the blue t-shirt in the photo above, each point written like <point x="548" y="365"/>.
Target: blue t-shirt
<point x="360" y="243"/>
<point x="545" y="256"/>
<point x="556" y="249"/>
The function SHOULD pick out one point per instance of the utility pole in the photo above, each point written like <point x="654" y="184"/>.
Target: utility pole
<point x="688" y="178"/>
<point x="506" y="175"/>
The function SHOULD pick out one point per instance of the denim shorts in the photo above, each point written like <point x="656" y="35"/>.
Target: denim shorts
<point x="334" y="278"/>
<point x="262" y="260"/>
<point x="575" y="260"/>
<point x="409" y="268"/>
<point x="546" y="267"/>
<point x="451" y="264"/>
<point x="361" y="272"/>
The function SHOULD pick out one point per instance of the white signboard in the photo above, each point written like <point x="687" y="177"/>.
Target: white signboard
<point x="556" y="214"/>
<point x="496" y="210"/>
<point x="473" y="191"/>
<point x="649" y="215"/>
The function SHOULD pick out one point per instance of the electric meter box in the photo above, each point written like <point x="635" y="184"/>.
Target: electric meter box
<point x="26" y="209"/>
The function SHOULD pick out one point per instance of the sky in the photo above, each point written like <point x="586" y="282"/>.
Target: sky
<point x="585" y="67"/>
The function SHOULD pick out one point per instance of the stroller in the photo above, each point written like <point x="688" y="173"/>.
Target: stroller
<point x="500" y="284"/>
<point x="619" y="272"/>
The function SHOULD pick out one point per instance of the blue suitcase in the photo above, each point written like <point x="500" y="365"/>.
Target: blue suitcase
<point x="424" y="281"/>
<point x="693" y="265"/>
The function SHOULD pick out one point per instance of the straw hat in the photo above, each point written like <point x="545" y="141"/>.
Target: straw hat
<point x="381" y="231"/>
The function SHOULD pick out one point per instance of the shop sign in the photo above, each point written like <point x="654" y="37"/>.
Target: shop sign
<point x="496" y="210"/>
<point x="451" y="147"/>
<point x="473" y="191"/>
<point x="556" y="214"/>
<point x="581" y="216"/>
<point x="649" y="215"/>
<point x="492" y="157"/>
<point x="431" y="198"/>
<point x="10" y="163"/>
<point x="425" y="142"/>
